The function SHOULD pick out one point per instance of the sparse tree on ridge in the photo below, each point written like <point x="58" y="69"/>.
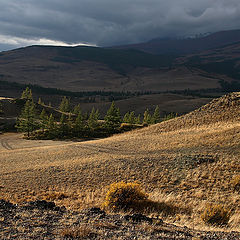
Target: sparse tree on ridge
<point x="138" y="119"/>
<point x="64" y="105"/>
<point x="26" y="122"/>
<point x="126" y="117"/>
<point x="93" y="119"/>
<point x="62" y="127"/>
<point x="132" y="118"/>
<point x="40" y="101"/>
<point x="156" y="115"/>
<point x="147" y="118"/>
<point x="77" y="109"/>
<point x="112" y="118"/>
<point x="27" y="94"/>
<point x="43" y="119"/>
<point x="51" y="126"/>
<point x="78" y="126"/>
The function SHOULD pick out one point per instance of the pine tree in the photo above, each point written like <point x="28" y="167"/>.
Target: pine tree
<point x="64" y="105"/>
<point x="93" y="119"/>
<point x="39" y="101"/>
<point x="69" y="124"/>
<point x="78" y="126"/>
<point x="51" y="126"/>
<point x="156" y="116"/>
<point x="27" y="94"/>
<point x="44" y="119"/>
<point x="26" y="122"/>
<point x="77" y="109"/>
<point x="64" y="127"/>
<point x="147" y="117"/>
<point x="112" y="118"/>
<point x="138" y="119"/>
<point x="132" y="118"/>
<point x="126" y="117"/>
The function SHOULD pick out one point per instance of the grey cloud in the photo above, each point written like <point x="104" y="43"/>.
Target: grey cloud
<point x="109" y="22"/>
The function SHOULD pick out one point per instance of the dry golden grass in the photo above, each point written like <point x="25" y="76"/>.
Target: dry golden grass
<point x="187" y="162"/>
<point x="77" y="233"/>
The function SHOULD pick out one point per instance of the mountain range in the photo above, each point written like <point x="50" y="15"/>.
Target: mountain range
<point x="208" y="62"/>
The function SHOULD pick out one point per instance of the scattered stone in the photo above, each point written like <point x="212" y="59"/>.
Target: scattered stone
<point x="44" y="205"/>
<point x="200" y="159"/>
<point x="27" y="222"/>
<point x="138" y="217"/>
<point x="95" y="211"/>
<point x="6" y="205"/>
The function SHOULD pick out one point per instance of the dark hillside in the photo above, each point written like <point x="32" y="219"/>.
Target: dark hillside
<point x="186" y="45"/>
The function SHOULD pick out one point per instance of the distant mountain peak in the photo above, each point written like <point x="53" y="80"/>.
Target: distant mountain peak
<point x="186" y="44"/>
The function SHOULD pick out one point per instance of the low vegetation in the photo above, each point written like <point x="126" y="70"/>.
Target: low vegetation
<point x="216" y="214"/>
<point x="236" y="183"/>
<point x="124" y="196"/>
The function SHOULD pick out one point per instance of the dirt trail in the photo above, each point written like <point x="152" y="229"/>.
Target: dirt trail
<point x="5" y="144"/>
<point x="13" y="141"/>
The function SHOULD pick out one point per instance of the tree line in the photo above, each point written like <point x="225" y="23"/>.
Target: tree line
<point x="74" y="123"/>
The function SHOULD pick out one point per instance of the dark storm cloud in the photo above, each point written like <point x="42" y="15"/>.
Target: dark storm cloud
<point x="109" y="22"/>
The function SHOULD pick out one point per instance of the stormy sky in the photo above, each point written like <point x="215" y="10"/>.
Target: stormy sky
<point x="110" y="22"/>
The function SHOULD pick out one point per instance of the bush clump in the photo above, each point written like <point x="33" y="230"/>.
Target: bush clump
<point x="216" y="214"/>
<point x="124" y="196"/>
<point x="236" y="183"/>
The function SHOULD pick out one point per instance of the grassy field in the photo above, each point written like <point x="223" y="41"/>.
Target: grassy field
<point x="187" y="162"/>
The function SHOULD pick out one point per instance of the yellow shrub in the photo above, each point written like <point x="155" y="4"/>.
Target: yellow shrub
<point x="123" y="196"/>
<point x="236" y="183"/>
<point x="216" y="214"/>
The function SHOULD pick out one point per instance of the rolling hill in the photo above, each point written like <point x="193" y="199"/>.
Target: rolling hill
<point x="96" y="69"/>
<point x="189" y="162"/>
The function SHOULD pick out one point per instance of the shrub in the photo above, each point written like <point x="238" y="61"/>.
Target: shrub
<point x="82" y="232"/>
<point x="123" y="196"/>
<point x="236" y="183"/>
<point x="216" y="214"/>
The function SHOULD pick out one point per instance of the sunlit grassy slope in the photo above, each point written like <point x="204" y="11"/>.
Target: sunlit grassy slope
<point x="190" y="161"/>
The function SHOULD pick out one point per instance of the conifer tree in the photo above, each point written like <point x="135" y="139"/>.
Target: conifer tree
<point x="1" y="109"/>
<point x="64" y="105"/>
<point x="39" y="101"/>
<point x="78" y="124"/>
<point x="51" y="126"/>
<point x="156" y="115"/>
<point x="126" y="117"/>
<point x="27" y="94"/>
<point x="26" y="122"/>
<point x="132" y="118"/>
<point x="62" y="128"/>
<point x="112" y="118"/>
<point x="77" y="109"/>
<point x="93" y="119"/>
<point x="138" y="119"/>
<point x="69" y="125"/>
<point x="147" y="119"/>
<point x="44" y="119"/>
